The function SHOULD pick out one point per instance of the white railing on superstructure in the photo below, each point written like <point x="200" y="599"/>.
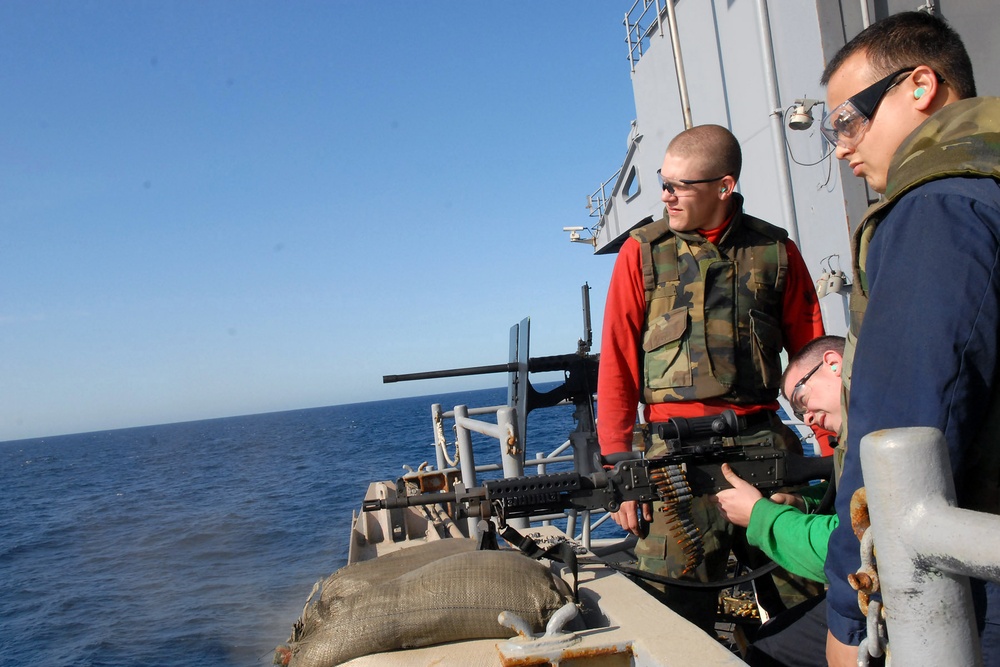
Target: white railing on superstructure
<point x="637" y="36"/>
<point x="598" y="200"/>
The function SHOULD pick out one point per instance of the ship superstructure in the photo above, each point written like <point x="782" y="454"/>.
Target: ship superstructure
<point x="753" y="66"/>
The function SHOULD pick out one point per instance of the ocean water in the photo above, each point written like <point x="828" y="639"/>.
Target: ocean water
<point x="197" y="543"/>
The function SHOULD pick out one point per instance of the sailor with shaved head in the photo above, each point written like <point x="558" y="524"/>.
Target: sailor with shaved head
<point x="700" y="304"/>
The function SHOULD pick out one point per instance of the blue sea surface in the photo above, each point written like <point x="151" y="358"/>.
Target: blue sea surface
<point x="198" y="543"/>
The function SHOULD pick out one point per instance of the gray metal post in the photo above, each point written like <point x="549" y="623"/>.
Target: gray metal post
<point x="911" y="496"/>
<point x="571" y="522"/>
<point x="675" y="42"/>
<point x="511" y="452"/>
<point x="628" y="40"/>
<point x="784" y="180"/>
<point x="467" y="463"/>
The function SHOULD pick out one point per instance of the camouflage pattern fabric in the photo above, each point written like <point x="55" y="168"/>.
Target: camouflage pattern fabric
<point x="960" y="140"/>
<point x="663" y="553"/>
<point x="713" y="313"/>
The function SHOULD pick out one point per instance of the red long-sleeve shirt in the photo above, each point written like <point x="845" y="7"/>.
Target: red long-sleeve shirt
<point x="619" y="381"/>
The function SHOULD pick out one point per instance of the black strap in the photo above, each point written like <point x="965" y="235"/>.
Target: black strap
<point x="561" y="552"/>
<point x="687" y="583"/>
<point x="826" y="504"/>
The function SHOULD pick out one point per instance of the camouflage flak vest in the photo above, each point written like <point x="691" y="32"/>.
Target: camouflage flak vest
<point x="713" y="313"/>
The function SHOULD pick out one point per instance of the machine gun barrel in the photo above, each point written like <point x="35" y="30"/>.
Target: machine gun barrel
<point x="559" y="362"/>
<point x="453" y="372"/>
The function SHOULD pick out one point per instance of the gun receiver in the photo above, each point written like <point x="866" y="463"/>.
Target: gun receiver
<point x="691" y="470"/>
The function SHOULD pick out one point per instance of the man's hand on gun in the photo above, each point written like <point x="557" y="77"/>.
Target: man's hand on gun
<point x="736" y="504"/>
<point x="627" y="517"/>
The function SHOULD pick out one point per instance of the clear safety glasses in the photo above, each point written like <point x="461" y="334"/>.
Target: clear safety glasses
<point x="848" y="121"/>
<point x="795" y="400"/>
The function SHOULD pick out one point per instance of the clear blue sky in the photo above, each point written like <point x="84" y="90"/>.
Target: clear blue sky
<point x="230" y="207"/>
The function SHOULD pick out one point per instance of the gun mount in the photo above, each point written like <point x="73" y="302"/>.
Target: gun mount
<point x="579" y="385"/>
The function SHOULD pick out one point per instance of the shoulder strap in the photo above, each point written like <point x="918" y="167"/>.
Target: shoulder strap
<point x="773" y="232"/>
<point x="658" y="249"/>
<point x="779" y="236"/>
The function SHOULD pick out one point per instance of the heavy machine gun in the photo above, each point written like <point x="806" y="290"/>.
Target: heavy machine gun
<point x="692" y="468"/>
<point x="697" y="449"/>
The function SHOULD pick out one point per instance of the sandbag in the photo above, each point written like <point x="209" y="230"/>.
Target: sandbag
<point x="352" y="579"/>
<point x="439" y="592"/>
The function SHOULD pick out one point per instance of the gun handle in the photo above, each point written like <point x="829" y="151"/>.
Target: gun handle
<point x="643" y="524"/>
